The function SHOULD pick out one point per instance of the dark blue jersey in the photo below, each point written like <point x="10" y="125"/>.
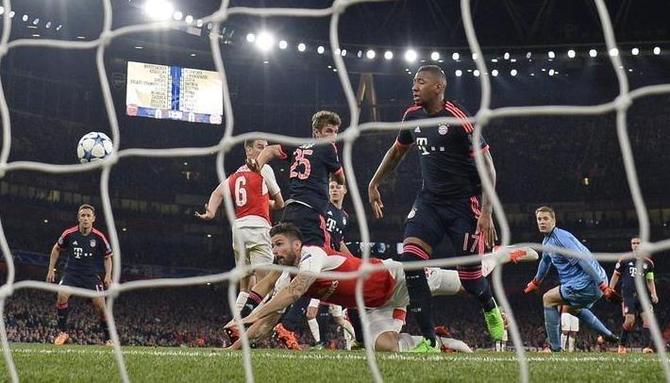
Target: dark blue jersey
<point x="627" y="271"/>
<point x="311" y="166"/>
<point x="336" y="224"/>
<point x="85" y="253"/>
<point x="445" y="153"/>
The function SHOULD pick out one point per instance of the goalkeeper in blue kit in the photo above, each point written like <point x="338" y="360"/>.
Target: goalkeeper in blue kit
<point x="582" y="280"/>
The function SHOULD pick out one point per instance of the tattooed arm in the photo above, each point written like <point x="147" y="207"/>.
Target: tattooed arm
<point x="285" y="297"/>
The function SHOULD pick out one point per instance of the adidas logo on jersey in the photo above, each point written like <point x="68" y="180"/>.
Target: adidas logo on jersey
<point x="330" y="213"/>
<point x="75" y="243"/>
<point x="417" y="130"/>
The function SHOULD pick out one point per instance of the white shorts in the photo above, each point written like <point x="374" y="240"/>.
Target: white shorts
<point x="569" y="322"/>
<point x="391" y="316"/>
<point x="443" y="282"/>
<point x="257" y="249"/>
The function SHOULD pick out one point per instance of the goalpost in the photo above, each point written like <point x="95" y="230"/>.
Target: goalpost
<point x="483" y="116"/>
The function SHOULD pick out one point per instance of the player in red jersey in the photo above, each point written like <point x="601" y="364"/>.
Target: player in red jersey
<point x="253" y="194"/>
<point x="86" y="249"/>
<point x="384" y="291"/>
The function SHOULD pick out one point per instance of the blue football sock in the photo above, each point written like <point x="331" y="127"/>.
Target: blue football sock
<point x="552" y="321"/>
<point x="592" y="321"/>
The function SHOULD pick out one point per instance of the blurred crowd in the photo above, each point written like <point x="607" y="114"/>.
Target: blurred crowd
<point x="195" y="316"/>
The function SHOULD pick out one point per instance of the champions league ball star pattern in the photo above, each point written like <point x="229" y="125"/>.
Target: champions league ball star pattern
<point x="94" y="146"/>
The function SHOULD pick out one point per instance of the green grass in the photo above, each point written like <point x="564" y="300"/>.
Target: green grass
<point x="46" y="363"/>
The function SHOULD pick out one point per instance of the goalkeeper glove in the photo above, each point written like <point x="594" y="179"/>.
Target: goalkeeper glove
<point x="532" y="286"/>
<point x="609" y="294"/>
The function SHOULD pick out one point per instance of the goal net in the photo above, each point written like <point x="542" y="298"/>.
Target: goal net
<point x="484" y="115"/>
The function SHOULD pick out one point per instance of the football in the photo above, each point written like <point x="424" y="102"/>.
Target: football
<point x="94" y="146"/>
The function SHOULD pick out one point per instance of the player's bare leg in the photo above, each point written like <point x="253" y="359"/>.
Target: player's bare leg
<point x="626" y="328"/>
<point x="62" y="305"/>
<point x="389" y="341"/>
<point x="647" y="343"/>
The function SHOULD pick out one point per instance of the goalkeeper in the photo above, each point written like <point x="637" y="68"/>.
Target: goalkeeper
<point x="582" y="280"/>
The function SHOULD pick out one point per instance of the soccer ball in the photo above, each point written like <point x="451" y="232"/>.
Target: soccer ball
<point x="94" y="146"/>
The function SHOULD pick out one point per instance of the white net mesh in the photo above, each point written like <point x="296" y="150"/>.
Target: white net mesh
<point x="482" y="117"/>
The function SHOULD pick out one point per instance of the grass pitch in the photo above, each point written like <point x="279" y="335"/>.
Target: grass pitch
<point x="47" y="363"/>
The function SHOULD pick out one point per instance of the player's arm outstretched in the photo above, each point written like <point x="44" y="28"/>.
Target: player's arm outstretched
<point x="268" y="153"/>
<point x="215" y="200"/>
<point x="392" y="158"/>
<point x="276" y="198"/>
<point x="257" y="294"/>
<point x="542" y="269"/>
<point x="258" y="330"/>
<point x="53" y="260"/>
<point x="285" y="297"/>
<point x="485" y="223"/>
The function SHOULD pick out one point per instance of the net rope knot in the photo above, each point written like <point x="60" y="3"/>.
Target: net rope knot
<point x="484" y="116"/>
<point x="623" y="102"/>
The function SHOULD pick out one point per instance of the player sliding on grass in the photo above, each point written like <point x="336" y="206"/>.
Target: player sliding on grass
<point x="384" y="291"/>
<point x="582" y="280"/>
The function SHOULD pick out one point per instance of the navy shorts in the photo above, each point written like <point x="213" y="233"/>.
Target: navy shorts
<point x="311" y="223"/>
<point x="294" y="317"/>
<point x="457" y="219"/>
<point x="631" y="303"/>
<point x="84" y="282"/>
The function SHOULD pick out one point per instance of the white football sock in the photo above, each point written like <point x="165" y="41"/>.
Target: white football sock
<point x="241" y="300"/>
<point x="564" y="339"/>
<point x="314" y="328"/>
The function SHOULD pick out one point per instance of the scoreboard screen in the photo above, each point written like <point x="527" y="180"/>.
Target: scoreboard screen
<point x="175" y="93"/>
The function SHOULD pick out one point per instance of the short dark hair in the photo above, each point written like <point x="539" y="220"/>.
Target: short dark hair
<point x="545" y="209"/>
<point x="325" y="117"/>
<point x="287" y="229"/>
<point x="86" y="206"/>
<point x="251" y="141"/>
<point x="434" y="69"/>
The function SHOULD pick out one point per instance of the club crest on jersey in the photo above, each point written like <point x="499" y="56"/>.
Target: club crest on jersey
<point x="92" y="243"/>
<point x="443" y="129"/>
<point x="411" y="214"/>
